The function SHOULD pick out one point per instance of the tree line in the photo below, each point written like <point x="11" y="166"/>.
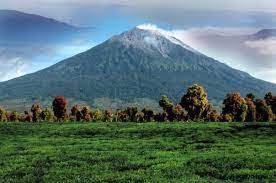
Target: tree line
<point x="193" y="106"/>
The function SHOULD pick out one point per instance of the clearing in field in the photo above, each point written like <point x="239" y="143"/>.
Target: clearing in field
<point x="137" y="152"/>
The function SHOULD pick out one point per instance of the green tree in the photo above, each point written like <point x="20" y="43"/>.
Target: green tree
<point x="14" y="116"/>
<point x="47" y="115"/>
<point x="3" y="115"/>
<point x="251" y="96"/>
<point x="195" y="102"/>
<point x="36" y="111"/>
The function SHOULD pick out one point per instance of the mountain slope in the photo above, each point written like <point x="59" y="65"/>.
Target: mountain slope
<point x="19" y="27"/>
<point x="136" y="64"/>
<point x="264" y="34"/>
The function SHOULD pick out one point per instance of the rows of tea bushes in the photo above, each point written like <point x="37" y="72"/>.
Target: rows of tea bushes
<point x="193" y="106"/>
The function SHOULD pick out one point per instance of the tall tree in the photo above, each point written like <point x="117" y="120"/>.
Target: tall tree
<point x="195" y="102"/>
<point x="251" y="110"/>
<point x="3" y="115"/>
<point x="271" y="101"/>
<point x="60" y="107"/>
<point x="263" y="111"/>
<point x="235" y="105"/>
<point x="36" y="111"/>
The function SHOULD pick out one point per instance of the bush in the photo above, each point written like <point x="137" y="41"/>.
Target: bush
<point x="160" y="117"/>
<point x="214" y="116"/>
<point x="36" y="110"/>
<point x="227" y="118"/>
<point x="86" y="114"/>
<point x="3" y="115"/>
<point x="14" y="116"/>
<point x="148" y="115"/>
<point x="47" y="115"/>
<point x="263" y="111"/>
<point x="108" y="116"/>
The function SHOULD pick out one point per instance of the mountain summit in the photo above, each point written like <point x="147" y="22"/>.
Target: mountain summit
<point x="133" y="65"/>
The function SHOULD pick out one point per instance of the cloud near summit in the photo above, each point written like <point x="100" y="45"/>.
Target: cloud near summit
<point x="252" y="56"/>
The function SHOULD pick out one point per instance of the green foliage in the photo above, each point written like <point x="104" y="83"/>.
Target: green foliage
<point x="251" y="96"/>
<point x="47" y="115"/>
<point x="195" y="102"/>
<point x="235" y="105"/>
<point x="3" y="115"/>
<point x="14" y="116"/>
<point x="131" y="152"/>
<point x="97" y="115"/>
<point x="36" y="111"/>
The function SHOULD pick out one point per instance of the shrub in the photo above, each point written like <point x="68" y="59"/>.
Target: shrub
<point x="132" y="113"/>
<point x="160" y="117"/>
<point x="47" y="115"/>
<point x="148" y="114"/>
<point x="97" y="115"/>
<point x="227" y="118"/>
<point x="122" y="116"/>
<point x="14" y="116"/>
<point x="251" y="110"/>
<point x="36" y="110"/>
<point x="27" y="117"/>
<point x="108" y="116"/>
<point x="235" y="105"/>
<point x="271" y="101"/>
<point x="59" y="107"/>
<point x="195" y="102"/>
<point x="86" y="114"/>
<point x="263" y="111"/>
<point x="3" y="115"/>
<point x="214" y="116"/>
<point x="172" y="113"/>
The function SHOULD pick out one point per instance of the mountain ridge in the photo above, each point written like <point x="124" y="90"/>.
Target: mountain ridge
<point x="127" y="68"/>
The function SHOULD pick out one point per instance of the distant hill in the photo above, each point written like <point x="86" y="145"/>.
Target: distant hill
<point x="19" y="27"/>
<point x="264" y="34"/>
<point x="138" y="64"/>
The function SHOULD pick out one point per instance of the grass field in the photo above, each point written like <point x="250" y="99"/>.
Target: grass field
<point x="132" y="152"/>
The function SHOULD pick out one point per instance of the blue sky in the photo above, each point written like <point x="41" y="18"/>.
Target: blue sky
<point x="185" y="19"/>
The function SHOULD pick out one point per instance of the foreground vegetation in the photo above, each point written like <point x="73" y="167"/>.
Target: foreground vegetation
<point x="137" y="152"/>
<point x="193" y="106"/>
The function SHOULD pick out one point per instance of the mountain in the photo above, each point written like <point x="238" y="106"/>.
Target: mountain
<point x="17" y="27"/>
<point x="138" y="64"/>
<point x="264" y="34"/>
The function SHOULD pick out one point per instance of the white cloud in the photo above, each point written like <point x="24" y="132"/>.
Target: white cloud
<point x="263" y="46"/>
<point x="230" y="46"/>
<point x="12" y="67"/>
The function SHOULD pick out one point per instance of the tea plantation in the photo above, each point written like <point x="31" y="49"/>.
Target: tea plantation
<point x="137" y="152"/>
